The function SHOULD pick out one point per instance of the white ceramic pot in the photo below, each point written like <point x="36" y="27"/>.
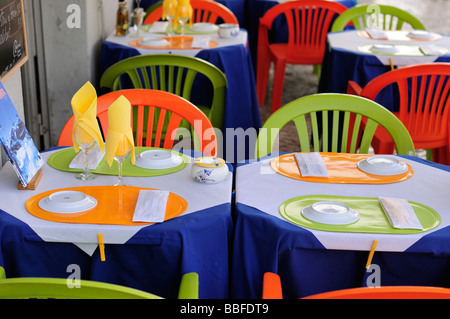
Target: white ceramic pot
<point x="209" y="170"/>
<point x="228" y="30"/>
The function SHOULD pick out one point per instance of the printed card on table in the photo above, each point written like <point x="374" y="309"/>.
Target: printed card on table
<point x="17" y="142"/>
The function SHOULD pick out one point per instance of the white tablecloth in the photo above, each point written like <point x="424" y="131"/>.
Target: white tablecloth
<point x="198" y="196"/>
<point x="258" y="186"/>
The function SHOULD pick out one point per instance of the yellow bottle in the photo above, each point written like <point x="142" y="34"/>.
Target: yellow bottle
<point x="123" y="19"/>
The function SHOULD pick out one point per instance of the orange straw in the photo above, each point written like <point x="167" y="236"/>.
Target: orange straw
<point x="392" y="64"/>
<point x="101" y="246"/>
<point x="372" y="251"/>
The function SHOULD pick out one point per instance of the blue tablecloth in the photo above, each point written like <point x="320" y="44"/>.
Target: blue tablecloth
<point x="265" y="243"/>
<point x="152" y="260"/>
<point x="241" y="106"/>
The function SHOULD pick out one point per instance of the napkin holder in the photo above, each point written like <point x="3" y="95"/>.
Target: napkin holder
<point x="33" y="182"/>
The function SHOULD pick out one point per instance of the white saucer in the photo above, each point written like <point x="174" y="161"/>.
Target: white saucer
<point x="67" y="202"/>
<point x="158" y="159"/>
<point x="204" y="27"/>
<point x="420" y="34"/>
<point x="154" y="42"/>
<point x="383" y="48"/>
<point x="382" y="165"/>
<point x="331" y="213"/>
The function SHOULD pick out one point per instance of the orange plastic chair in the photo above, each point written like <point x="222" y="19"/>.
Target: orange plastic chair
<point x="204" y="11"/>
<point x="387" y="292"/>
<point x="308" y="23"/>
<point x="423" y="108"/>
<point x="272" y="286"/>
<point x="172" y="110"/>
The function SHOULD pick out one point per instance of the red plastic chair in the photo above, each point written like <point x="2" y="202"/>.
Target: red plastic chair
<point x="308" y="23"/>
<point x="424" y="105"/>
<point x="392" y="292"/>
<point x="272" y="286"/>
<point x="204" y="11"/>
<point x="162" y="107"/>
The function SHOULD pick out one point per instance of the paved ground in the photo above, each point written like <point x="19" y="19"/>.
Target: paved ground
<point x="300" y="80"/>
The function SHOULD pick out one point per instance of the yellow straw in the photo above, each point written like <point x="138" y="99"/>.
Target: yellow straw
<point x="101" y="246"/>
<point x="372" y="251"/>
<point x="392" y="63"/>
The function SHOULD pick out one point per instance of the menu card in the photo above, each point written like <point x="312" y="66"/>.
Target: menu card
<point x="16" y="141"/>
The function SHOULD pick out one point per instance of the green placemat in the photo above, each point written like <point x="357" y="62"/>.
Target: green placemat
<point x="60" y="160"/>
<point x="403" y="50"/>
<point x="372" y="217"/>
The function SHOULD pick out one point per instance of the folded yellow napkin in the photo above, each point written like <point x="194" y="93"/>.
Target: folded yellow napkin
<point x="84" y="106"/>
<point x="120" y="134"/>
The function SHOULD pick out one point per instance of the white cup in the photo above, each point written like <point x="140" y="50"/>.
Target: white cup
<point x="228" y="30"/>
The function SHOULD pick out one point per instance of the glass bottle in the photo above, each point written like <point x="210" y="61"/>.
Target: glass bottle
<point x="123" y="19"/>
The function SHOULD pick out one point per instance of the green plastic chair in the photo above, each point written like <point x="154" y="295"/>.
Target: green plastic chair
<point x="57" y="288"/>
<point x="171" y="73"/>
<point x="336" y="122"/>
<point x="391" y="18"/>
<point x="189" y="286"/>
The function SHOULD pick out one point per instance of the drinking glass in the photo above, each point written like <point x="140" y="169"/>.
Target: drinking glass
<point x="85" y="142"/>
<point x="169" y="11"/>
<point x="122" y="152"/>
<point x="138" y="19"/>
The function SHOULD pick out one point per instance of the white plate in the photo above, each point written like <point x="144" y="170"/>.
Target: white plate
<point x="67" y="202"/>
<point x="420" y="34"/>
<point x="383" y="48"/>
<point x="382" y="165"/>
<point x="204" y="27"/>
<point x="154" y="42"/>
<point x="331" y="213"/>
<point x="158" y="159"/>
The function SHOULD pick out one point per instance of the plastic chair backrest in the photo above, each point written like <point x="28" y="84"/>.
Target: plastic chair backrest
<point x="57" y="288"/>
<point x="189" y="286"/>
<point x="308" y="23"/>
<point x="424" y="101"/>
<point x="173" y="109"/>
<point x="272" y="286"/>
<point x="172" y="73"/>
<point x="335" y="125"/>
<point x="386" y="292"/>
<point x="387" y="17"/>
<point x="204" y="11"/>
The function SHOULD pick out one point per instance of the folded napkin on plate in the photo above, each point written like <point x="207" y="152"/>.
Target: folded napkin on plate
<point x="151" y="206"/>
<point x="430" y="49"/>
<point x="376" y="33"/>
<point x="400" y="213"/>
<point x="94" y="158"/>
<point x="311" y="164"/>
<point x="84" y="106"/>
<point x="119" y="129"/>
<point x="159" y="26"/>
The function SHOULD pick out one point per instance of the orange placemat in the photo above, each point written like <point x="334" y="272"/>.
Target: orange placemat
<point x="115" y="206"/>
<point x="341" y="169"/>
<point x="175" y="43"/>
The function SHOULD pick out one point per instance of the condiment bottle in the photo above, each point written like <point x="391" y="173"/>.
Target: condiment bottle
<point x="123" y="19"/>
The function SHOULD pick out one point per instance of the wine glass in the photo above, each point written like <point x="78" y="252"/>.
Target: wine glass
<point x="138" y="19"/>
<point x="85" y="142"/>
<point x="122" y="152"/>
<point x="169" y="12"/>
<point x="182" y="21"/>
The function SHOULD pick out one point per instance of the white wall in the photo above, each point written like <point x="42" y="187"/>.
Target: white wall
<point x="72" y="55"/>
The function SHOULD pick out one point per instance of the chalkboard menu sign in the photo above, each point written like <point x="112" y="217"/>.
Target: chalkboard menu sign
<point x="13" y="44"/>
